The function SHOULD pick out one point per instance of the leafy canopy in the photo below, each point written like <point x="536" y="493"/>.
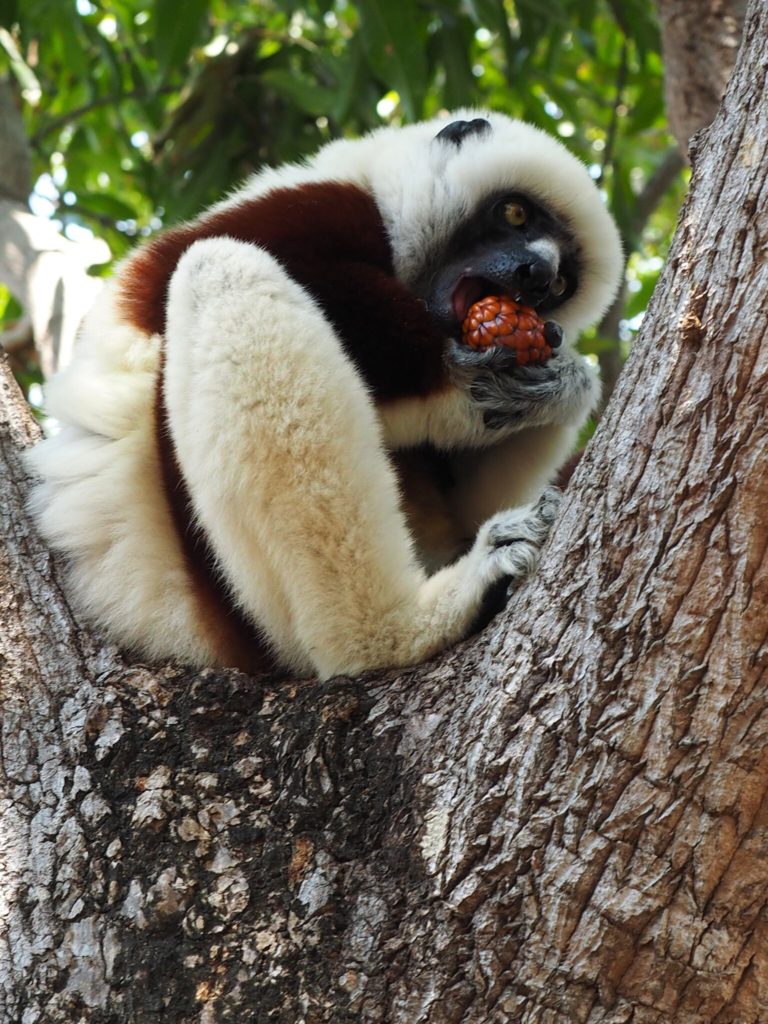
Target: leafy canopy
<point x="141" y="112"/>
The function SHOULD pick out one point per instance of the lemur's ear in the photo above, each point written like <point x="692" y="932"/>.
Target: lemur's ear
<point x="457" y="131"/>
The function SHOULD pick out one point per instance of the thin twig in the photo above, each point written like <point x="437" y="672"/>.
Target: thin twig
<point x="648" y="199"/>
<point x="613" y="127"/>
<point x="656" y="187"/>
<point x="100" y="101"/>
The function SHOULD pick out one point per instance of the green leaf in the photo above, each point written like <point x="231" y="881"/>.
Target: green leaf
<point x="302" y="90"/>
<point x="9" y="12"/>
<point x="537" y="21"/>
<point x="593" y="344"/>
<point x="586" y="433"/>
<point x="350" y="84"/>
<point x="584" y="14"/>
<point x="178" y="26"/>
<point x="106" y="58"/>
<point x="106" y="204"/>
<point x="394" y="37"/>
<point x="638" y="300"/>
<point x="492" y="15"/>
<point x="460" y="83"/>
<point x="10" y="308"/>
<point x="648" y="108"/>
<point x="640" y="21"/>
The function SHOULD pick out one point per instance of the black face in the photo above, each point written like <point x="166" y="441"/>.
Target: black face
<point x="512" y="247"/>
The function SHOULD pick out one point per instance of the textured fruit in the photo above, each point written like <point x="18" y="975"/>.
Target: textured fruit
<point x="497" y="320"/>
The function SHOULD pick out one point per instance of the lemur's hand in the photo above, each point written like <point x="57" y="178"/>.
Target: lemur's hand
<point x="561" y="390"/>
<point x="508" y="546"/>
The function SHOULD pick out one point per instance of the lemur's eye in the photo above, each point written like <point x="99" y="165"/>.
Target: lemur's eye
<point x="558" y="286"/>
<point x="515" y="214"/>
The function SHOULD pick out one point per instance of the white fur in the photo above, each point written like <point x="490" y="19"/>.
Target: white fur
<point x="102" y="501"/>
<point x="282" y="448"/>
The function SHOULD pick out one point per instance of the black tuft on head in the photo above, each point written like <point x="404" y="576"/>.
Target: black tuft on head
<point x="457" y="131"/>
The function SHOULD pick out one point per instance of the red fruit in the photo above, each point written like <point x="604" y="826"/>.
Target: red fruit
<point x="497" y="320"/>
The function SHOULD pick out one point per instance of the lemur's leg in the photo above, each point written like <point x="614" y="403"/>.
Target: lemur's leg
<point x="280" y="445"/>
<point x="513" y="472"/>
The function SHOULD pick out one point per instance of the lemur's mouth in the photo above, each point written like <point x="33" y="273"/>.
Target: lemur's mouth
<point x="470" y="290"/>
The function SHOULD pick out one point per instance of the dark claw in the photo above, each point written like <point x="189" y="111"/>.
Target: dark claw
<point x="553" y="334"/>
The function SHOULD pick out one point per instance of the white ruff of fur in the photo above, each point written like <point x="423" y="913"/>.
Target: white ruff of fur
<point x="285" y="453"/>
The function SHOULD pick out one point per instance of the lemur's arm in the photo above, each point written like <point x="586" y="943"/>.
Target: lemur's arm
<point x="544" y="407"/>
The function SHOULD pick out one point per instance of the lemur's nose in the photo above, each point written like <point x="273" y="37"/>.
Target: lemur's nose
<point x="535" y="280"/>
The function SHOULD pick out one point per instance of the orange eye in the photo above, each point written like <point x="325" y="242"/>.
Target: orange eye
<point x="558" y="286"/>
<point x="515" y="214"/>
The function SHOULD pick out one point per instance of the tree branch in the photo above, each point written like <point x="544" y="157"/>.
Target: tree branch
<point x="47" y="274"/>
<point x="43" y="269"/>
<point x="699" y="43"/>
<point x="564" y="820"/>
<point x="621" y="81"/>
<point x="646" y="202"/>
<point x="15" y="160"/>
<point x="655" y="188"/>
<point x="113" y="100"/>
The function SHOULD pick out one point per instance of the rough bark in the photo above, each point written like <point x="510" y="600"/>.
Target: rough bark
<point x="699" y="42"/>
<point x="562" y="821"/>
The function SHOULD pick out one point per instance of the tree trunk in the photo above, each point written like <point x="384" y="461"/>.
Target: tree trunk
<point x="562" y="821"/>
<point x="699" y="42"/>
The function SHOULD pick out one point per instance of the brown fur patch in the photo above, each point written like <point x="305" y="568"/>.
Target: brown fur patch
<point x="235" y="639"/>
<point x="426" y="483"/>
<point x="567" y="470"/>
<point x="330" y="238"/>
